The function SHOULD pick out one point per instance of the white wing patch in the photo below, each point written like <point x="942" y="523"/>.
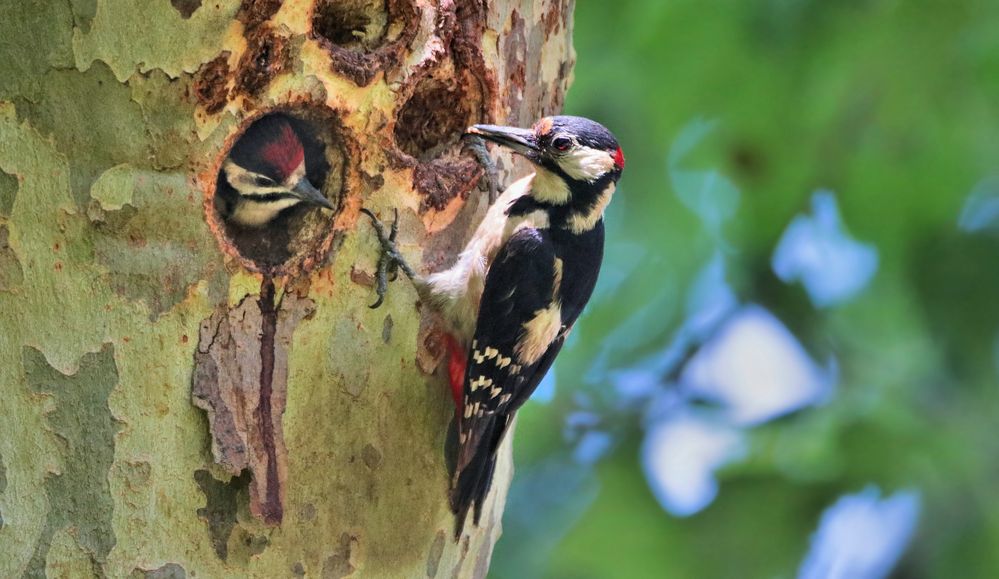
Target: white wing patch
<point x="539" y="333"/>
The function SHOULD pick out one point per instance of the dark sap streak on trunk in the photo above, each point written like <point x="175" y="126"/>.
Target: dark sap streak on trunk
<point x="273" y="511"/>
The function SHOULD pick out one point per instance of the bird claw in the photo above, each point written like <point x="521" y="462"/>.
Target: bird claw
<point x="390" y="261"/>
<point x="477" y="145"/>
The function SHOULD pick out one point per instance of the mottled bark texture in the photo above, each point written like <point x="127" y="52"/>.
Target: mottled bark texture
<point x="165" y="412"/>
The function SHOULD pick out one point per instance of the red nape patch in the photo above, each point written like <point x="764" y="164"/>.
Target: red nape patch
<point x="284" y="150"/>
<point x="619" y="158"/>
<point x="456" y="363"/>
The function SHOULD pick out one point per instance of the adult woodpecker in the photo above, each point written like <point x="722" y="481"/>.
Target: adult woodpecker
<point x="264" y="176"/>
<point x="519" y="285"/>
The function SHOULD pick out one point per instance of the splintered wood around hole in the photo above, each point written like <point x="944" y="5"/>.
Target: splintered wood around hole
<point x="240" y="381"/>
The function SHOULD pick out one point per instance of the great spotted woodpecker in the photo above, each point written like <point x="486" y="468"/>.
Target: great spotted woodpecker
<point x="519" y="285"/>
<point x="265" y="175"/>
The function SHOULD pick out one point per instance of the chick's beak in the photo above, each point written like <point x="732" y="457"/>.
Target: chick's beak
<point x="309" y="194"/>
<point x="521" y="141"/>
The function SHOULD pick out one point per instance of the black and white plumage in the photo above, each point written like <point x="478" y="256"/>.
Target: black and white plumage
<point x="520" y="284"/>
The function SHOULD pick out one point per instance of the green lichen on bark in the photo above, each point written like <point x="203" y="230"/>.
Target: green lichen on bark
<point x="92" y="120"/>
<point x="78" y="495"/>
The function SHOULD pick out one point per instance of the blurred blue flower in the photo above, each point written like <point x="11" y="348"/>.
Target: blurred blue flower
<point x="756" y="369"/>
<point x="981" y="209"/>
<point x="816" y="251"/>
<point x="545" y="501"/>
<point x="709" y="299"/>
<point x="680" y="455"/>
<point x="545" y="392"/>
<point x="706" y="192"/>
<point x="592" y="446"/>
<point x="862" y="536"/>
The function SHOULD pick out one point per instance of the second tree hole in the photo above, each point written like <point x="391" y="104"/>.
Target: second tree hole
<point x="434" y="118"/>
<point x="354" y="24"/>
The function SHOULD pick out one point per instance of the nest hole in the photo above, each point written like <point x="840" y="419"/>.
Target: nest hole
<point x="353" y="24"/>
<point x="435" y="116"/>
<point x="268" y="226"/>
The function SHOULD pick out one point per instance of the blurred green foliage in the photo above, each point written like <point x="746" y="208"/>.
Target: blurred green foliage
<point x="891" y="105"/>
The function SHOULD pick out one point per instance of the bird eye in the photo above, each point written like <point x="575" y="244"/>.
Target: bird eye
<point x="561" y="143"/>
<point x="263" y="181"/>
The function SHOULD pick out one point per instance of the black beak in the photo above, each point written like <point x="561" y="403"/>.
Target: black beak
<point x="521" y="141"/>
<point x="309" y="194"/>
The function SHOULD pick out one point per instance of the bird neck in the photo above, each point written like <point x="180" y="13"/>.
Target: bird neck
<point x="576" y="206"/>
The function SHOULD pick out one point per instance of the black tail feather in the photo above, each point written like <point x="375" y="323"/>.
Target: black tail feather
<point x="475" y="479"/>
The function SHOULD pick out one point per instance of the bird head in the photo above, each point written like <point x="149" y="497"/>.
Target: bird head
<point x="577" y="164"/>
<point x="266" y="171"/>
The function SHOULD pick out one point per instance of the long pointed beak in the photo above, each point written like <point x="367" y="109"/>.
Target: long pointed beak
<point x="309" y="194"/>
<point x="520" y="140"/>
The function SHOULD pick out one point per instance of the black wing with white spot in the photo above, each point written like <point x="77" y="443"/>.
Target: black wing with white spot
<point x="520" y="284"/>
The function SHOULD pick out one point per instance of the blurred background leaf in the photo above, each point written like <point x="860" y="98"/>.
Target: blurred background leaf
<point x="789" y="365"/>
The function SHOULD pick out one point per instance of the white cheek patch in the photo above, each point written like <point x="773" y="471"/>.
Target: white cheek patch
<point x="255" y="214"/>
<point x="246" y="181"/>
<point x="586" y="164"/>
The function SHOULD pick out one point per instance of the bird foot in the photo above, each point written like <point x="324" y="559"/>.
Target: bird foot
<point x="391" y="260"/>
<point x="477" y="145"/>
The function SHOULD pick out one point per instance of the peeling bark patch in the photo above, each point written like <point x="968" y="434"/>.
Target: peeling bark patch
<point x="83" y="13"/>
<point x="79" y="497"/>
<point x="441" y="180"/>
<point x="8" y="191"/>
<point x="93" y="121"/>
<point x="136" y="474"/>
<point x="11" y="274"/>
<point x="211" y="86"/>
<point x="436" y="550"/>
<point x="240" y="380"/>
<point x="221" y="503"/>
<point x="168" y="571"/>
<point x="387" y="329"/>
<point x="152" y="250"/>
<point x="339" y="564"/>
<point x="186" y="7"/>
<point x="267" y="56"/>
<point x="255" y="544"/>
<point x="372" y="456"/>
<point x="253" y="13"/>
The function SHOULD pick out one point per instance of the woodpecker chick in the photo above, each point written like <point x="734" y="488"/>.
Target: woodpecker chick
<point x="265" y="175"/>
<point x="519" y="285"/>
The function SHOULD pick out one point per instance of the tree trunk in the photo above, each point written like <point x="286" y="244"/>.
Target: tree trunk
<point x="178" y="401"/>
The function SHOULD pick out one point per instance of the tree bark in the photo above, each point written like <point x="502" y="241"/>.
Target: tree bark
<point x="175" y="404"/>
